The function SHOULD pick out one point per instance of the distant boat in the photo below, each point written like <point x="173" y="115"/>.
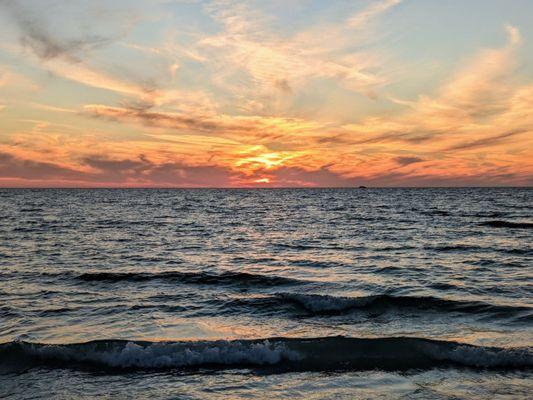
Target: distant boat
<point x="362" y="187"/>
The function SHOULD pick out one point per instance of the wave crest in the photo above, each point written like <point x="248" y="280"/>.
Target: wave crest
<point x="326" y="304"/>
<point x="283" y="354"/>
<point x="507" y="224"/>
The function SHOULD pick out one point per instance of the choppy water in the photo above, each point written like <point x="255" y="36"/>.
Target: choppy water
<point x="304" y="293"/>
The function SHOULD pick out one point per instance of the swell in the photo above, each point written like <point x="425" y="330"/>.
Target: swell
<point x="454" y="247"/>
<point x="316" y="304"/>
<point x="301" y="246"/>
<point x="279" y="354"/>
<point x="204" y="278"/>
<point x="507" y="224"/>
<point x="296" y="305"/>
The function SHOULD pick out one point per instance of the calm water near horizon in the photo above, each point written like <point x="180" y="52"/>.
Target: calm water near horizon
<point x="282" y="293"/>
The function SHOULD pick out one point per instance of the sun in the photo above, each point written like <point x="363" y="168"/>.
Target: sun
<point x="268" y="160"/>
<point x="262" y="180"/>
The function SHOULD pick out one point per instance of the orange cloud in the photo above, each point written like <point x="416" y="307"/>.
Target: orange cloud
<point x="239" y="116"/>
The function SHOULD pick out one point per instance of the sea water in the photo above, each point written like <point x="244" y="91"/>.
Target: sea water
<point x="282" y="293"/>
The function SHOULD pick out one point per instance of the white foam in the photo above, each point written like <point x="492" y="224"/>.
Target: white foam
<point x="485" y="357"/>
<point x="311" y="353"/>
<point x="165" y="355"/>
<point x="325" y="303"/>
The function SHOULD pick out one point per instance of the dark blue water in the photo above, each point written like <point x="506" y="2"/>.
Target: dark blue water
<point x="294" y="293"/>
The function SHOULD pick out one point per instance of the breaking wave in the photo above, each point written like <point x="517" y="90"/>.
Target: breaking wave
<point x="283" y="354"/>
<point x="324" y="304"/>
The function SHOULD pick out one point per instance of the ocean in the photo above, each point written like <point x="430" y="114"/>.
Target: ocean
<point x="266" y="293"/>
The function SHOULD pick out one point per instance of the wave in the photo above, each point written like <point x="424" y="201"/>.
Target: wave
<point x="205" y="278"/>
<point x="315" y="305"/>
<point x="518" y="251"/>
<point x="298" y="246"/>
<point x="6" y="311"/>
<point x="508" y="224"/>
<point x="326" y="304"/>
<point x="454" y="247"/>
<point x="281" y="354"/>
<point x="31" y="209"/>
<point x="395" y="248"/>
<point x="316" y="263"/>
<point x="443" y="213"/>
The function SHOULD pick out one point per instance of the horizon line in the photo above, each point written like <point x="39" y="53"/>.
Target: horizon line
<point x="362" y="187"/>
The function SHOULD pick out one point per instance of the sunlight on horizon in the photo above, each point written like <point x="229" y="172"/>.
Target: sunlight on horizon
<point x="225" y="93"/>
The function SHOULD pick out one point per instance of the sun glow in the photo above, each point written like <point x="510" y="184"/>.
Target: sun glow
<point x="255" y="159"/>
<point x="236" y="99"/>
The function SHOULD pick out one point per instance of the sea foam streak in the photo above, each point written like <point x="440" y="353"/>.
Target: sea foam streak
<point x="286" y="354"/>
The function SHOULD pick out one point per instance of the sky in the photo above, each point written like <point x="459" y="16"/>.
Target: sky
<point x="279" y="93"/>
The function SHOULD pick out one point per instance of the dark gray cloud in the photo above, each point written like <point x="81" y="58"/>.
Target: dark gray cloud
<point x="252" y="129"/>
<point x="42" y="36"/>
<point x="14" y="167"/>
<point x="408" y="137"/>
<point x="351" y="138"/>
<point x="283" y="85"/>
<point x="142" y="170"/>
<point x="403" y="160"/>
<point x="138" y="171"/>
<point x="324" y="176"/>
<point x="143" y="115"/>
<point x="72" y="31"/>
<point x="489" y="141"/>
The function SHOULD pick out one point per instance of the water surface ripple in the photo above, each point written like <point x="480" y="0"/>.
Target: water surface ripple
<point x="335" y="293"/>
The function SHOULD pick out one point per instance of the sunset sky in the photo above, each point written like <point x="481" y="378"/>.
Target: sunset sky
<point x="222" y="93"/>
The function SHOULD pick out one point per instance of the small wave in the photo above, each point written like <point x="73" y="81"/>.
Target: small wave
<point x="297" y="246"/>
<point x="442" y="286"/>
<point x="442" y="213"/>
<point x="508" y="224"/>
<point x="325" y="304"/>
<point x="394" y="248"/>
<point x="483" y="214"/>
<point x="518" y="251"/>
<point x="205" y="278"/>
<point x="316" y="263"/>
<point x="23" y="229"/>
<point x="454" y="248"/>
<point x="161" y="307"/>
<point x="109" y="223"/>
<point x="315" y="305"/>
<point x="280" y="354"/>
<point x="389" y="269"/>
<point x="6" y="311"/>
<point x="60" y="310"/>
<point x="31" y="209"/>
